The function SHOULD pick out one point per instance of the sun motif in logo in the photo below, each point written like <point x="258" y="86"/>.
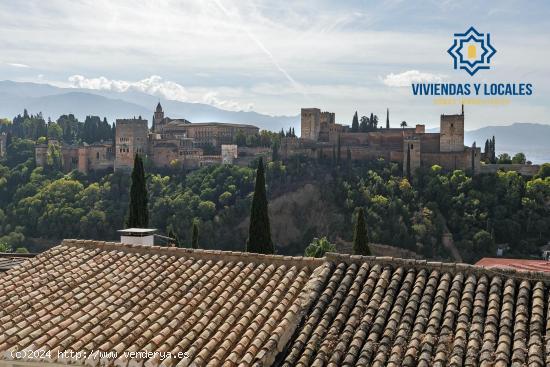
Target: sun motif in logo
<point x="472" y="51"/>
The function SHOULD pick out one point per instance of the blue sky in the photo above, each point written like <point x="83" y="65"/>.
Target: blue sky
<point x="276" y="57"/>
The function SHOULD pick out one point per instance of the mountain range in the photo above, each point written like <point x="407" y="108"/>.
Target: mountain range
<point x="529" y="138"/>
<point x="54" y="101"/>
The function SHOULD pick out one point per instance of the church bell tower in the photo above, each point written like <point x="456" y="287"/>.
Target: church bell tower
<point x="158" y="116"/>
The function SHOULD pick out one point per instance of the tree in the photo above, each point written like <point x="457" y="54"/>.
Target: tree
<point x="138" y="213"/>
<point x="275" y="151"/>
<point x="387" y="118"/>
<point x="71" y="127"/>
<point x="54" y="131"/>
<point x="174" y="236"/>
<point x="360" y="237"/>
<point x="544" y="171"/>
<point x="504" y="158"/>
<point x="493" y="151"/>
<point x="355" y="123"/>
<point x="19" y="151"/>
<point x="519" y="158"/>
<point x="319" y="247"/>
<point x="195" y="235"/>
<point x="259" y="233"/>
<point x="364" y="124"/>
<point x="371" y="122"/>
<point x="483" y="243"/>
<point x="403" y="124"/>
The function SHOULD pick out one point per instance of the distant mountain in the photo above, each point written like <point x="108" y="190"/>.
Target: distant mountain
<point x="531" y="139"/>
<point x="53" y="102"/>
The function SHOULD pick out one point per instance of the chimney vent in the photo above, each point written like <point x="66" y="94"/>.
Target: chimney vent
<point x="138" y="236"/>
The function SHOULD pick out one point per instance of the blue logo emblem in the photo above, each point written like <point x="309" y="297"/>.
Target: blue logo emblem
<point x="471" y="51"/>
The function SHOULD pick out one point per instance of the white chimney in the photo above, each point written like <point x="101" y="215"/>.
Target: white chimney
<point x="138" y="236"/>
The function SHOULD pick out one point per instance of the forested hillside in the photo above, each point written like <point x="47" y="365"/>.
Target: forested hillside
<point x="480" y="211"/>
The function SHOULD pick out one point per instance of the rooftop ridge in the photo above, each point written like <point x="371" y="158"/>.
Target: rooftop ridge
<point x="310" y="262"/>
<point x="298" y="261"/>
<point x="450" y="267"/>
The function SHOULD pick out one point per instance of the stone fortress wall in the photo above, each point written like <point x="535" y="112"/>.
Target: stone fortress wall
<point x="320" y="139"/>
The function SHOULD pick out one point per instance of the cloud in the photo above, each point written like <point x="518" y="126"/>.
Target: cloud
<point x="411" y="76"/>
<point x="18" y="65"/>
<point x="261" y="46"/>
<point x="157" y="86"/>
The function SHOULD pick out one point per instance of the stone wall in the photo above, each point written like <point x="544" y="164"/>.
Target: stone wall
<point x="213" y="133"/>
<point x="40" y="154"/>
<point x="451" y="133"/>
<point x="130" y="139"/>
<point x="229" y="153"/>
<point x="412" y="149"/>
<point x="523" y="169"/>
<point x="310" y="122"/>
<point x="430" y="142"/>
<point x="453" y="160"/>
<point x="163" y="154"/>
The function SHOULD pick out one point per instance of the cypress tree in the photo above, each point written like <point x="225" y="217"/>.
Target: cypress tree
<point x="387" y="118"/>
<point x="195" y="235"/>
<point x="355" y="123"/>
<point x="174" y="236"/>
<point x="371" y="122"/>
<point x="493" y="151"/>
<point x="360" y="237"/>
<point x="138" y="213"/>
<point x="259" y="233"/>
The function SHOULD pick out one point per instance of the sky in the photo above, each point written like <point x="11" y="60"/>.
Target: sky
<point x="275" y="57"/>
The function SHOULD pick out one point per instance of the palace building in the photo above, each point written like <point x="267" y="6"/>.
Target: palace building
<point x="171" y="143"/>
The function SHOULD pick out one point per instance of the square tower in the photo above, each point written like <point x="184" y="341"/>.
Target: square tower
<point x="310" y="123"/>
<point x="131" y="139"/>
<point x="451" y="133"/>
<point x="411" y="155"/>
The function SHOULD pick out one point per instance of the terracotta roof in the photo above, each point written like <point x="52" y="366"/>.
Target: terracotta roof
<point x="517" y="264"/>
<point x="86" y="296"/>
<point x="394" y="312"/>
<point x="228" y="308"/>
<point x="10" y="260"/>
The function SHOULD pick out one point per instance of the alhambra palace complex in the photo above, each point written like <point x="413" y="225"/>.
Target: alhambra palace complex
<point x="170" y="143"/>
<point x="411" y="146"/>
<point x="179" y="143"/>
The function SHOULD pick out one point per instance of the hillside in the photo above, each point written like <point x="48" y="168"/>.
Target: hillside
<point x="53" y="101"/>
